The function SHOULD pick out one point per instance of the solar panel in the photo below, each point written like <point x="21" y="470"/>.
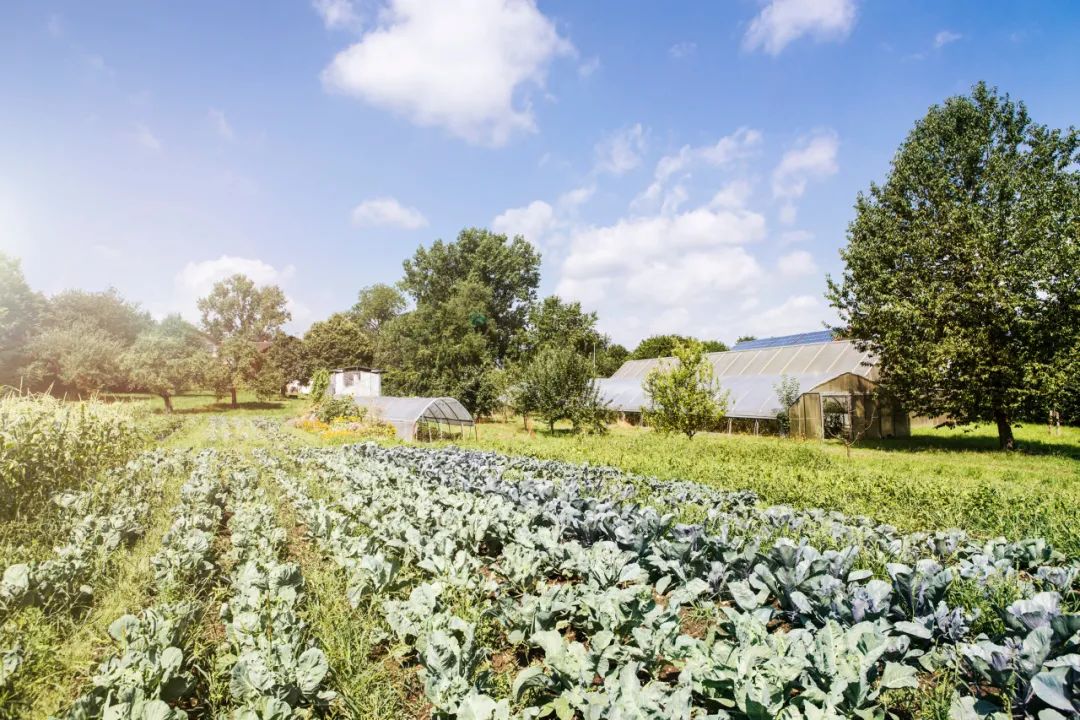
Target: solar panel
<point x="808" y="338"/>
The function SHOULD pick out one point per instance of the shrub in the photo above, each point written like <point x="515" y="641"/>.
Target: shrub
<point x="685" y="397"/>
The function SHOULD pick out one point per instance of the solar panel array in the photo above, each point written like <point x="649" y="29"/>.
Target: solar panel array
<point x="807" y="338"/>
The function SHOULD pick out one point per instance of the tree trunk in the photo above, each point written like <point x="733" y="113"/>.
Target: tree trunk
<point x="1004" y="427"/>
<point x="168" y="403"/>
<point x="232" y="391"/>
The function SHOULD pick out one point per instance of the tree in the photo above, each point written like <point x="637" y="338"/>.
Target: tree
<point x="338" y="341"/>
<point x="554" y="321"/>
<point x="286" y="356"/>
<point x="745" y="338"/>
<point x="106" y="310"/>
<point x="445" y="349"/>
<point x="508" y="268"/>
<point x="376" y="305"/>
<point x="167" y="360"/>
<point x="20" y="313"/>
<point x="787" y="393"/>
<point x="685" y="396"/>
<point x="80" y="357"/>
<point x="659" y="346"/>
<point x="963" y="269"/>
<point x="236" y="316"/>
<point x="557" y="384"/>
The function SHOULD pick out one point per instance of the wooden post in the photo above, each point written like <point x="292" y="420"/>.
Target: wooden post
<point x="756" y="421"/>
<point x="729" y="426"/>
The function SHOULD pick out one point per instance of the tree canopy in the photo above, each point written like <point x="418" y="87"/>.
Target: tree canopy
<point x="685" y="396"/>
<point x="167" y="360"/>
<point x="658" y="346"/>
<point x="963" y="268"/>
<point x="238" y="316"/>
<point x="336" y="342"/>
<point x="20" y="311"/>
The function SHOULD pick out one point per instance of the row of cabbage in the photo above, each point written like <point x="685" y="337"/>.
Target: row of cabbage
<point x="275" y="667"/>
<point x="103" y="517"/>
<point x="150" y="671"/>
<point x="602" y="588"/>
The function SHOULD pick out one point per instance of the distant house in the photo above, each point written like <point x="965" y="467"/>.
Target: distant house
<point x="837" y="384"/>
<point x="356" y="381"/>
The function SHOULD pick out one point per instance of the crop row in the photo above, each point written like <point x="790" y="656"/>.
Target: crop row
<point x="150" y="670"/>
<point x="601" y="590"/>
<point x="274" y="665"/>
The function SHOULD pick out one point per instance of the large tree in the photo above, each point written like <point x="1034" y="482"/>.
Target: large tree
<point x="508" y="268"/>
<point x="20" y="312"/>
<point x="445" y="348"/>
<point x="963" y="267"/>
<point x="376" y="305"/>
<point x="167" y="360"/>
<point x="106" y="310"/>
<point x="336" y="342"/>
<point x="239" y="318"/>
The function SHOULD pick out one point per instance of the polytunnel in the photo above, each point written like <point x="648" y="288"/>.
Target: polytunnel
<point x="410" y="414"/>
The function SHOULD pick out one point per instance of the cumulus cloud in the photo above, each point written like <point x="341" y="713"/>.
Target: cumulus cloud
<point x="798" y="313"/>
<point x="534" y="222"/>
<point x="738" y="145"/>
<point x="337" y="14"/>
<point x="813" y="157"/>
<point x="463" y="65"/>
<point x="587" y="68"/>
<point x="146" y="139"/>
<point x="621" y="152"/>
<point x="387" y="211"/>
<point x="220" y="123"/>
<point x="798" y="263"/>
<point x="650" y="266"/>
<point x="781" y="22"/>
<point x="945" y="37"/>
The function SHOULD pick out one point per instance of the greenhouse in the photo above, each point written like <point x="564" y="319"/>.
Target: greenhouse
<point x="416" y="418"/>
<point x="836" y="386"/>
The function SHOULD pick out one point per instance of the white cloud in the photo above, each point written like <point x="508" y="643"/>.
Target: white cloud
<point x="577" y="197"/>
<point x="738" y="145"/>
<point x="337" y="14"/>
<point x="814" y="157"/>
<point x="799" y="313"/>
<point x="945" y="37"/>
<point x="682" y="50"/>
<point x="784" y="21"/>
<point x="534" y="221"/>
<point x="387" y="211"/>
<point x="735" y="194"/>
<point x="464" y="65"/>
<point x="147" y="139"/>
<point x="220" y="123"/>
<point x="621" y="152"/>
<point x="798" y="263"/>
<point x="647" y="267"/>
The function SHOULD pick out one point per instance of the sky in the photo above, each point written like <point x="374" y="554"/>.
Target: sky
<point x="682" y="167"/>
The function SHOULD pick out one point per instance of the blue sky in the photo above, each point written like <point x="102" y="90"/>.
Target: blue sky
<point x="683" y="167"/>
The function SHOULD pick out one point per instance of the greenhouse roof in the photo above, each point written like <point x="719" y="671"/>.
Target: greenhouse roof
<point x="749" y="375"/>
<point x="404" y="412"/>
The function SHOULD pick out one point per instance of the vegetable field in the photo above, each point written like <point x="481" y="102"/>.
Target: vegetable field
<point x="267" y="579"/>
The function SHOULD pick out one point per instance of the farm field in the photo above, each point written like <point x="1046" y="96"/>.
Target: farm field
<point x="238" y="569"/>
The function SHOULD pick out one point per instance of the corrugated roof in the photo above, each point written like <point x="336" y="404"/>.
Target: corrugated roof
<point x="807" y="338"/>
<point x="749" y="375"/>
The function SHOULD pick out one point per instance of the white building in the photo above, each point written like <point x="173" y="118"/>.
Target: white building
<point x="356" y="382"/>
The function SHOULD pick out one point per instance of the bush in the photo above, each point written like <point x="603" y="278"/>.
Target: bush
<point x="342" y="408"/>
<point x="320" y="385"/>
<point x="685" y="397"/>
